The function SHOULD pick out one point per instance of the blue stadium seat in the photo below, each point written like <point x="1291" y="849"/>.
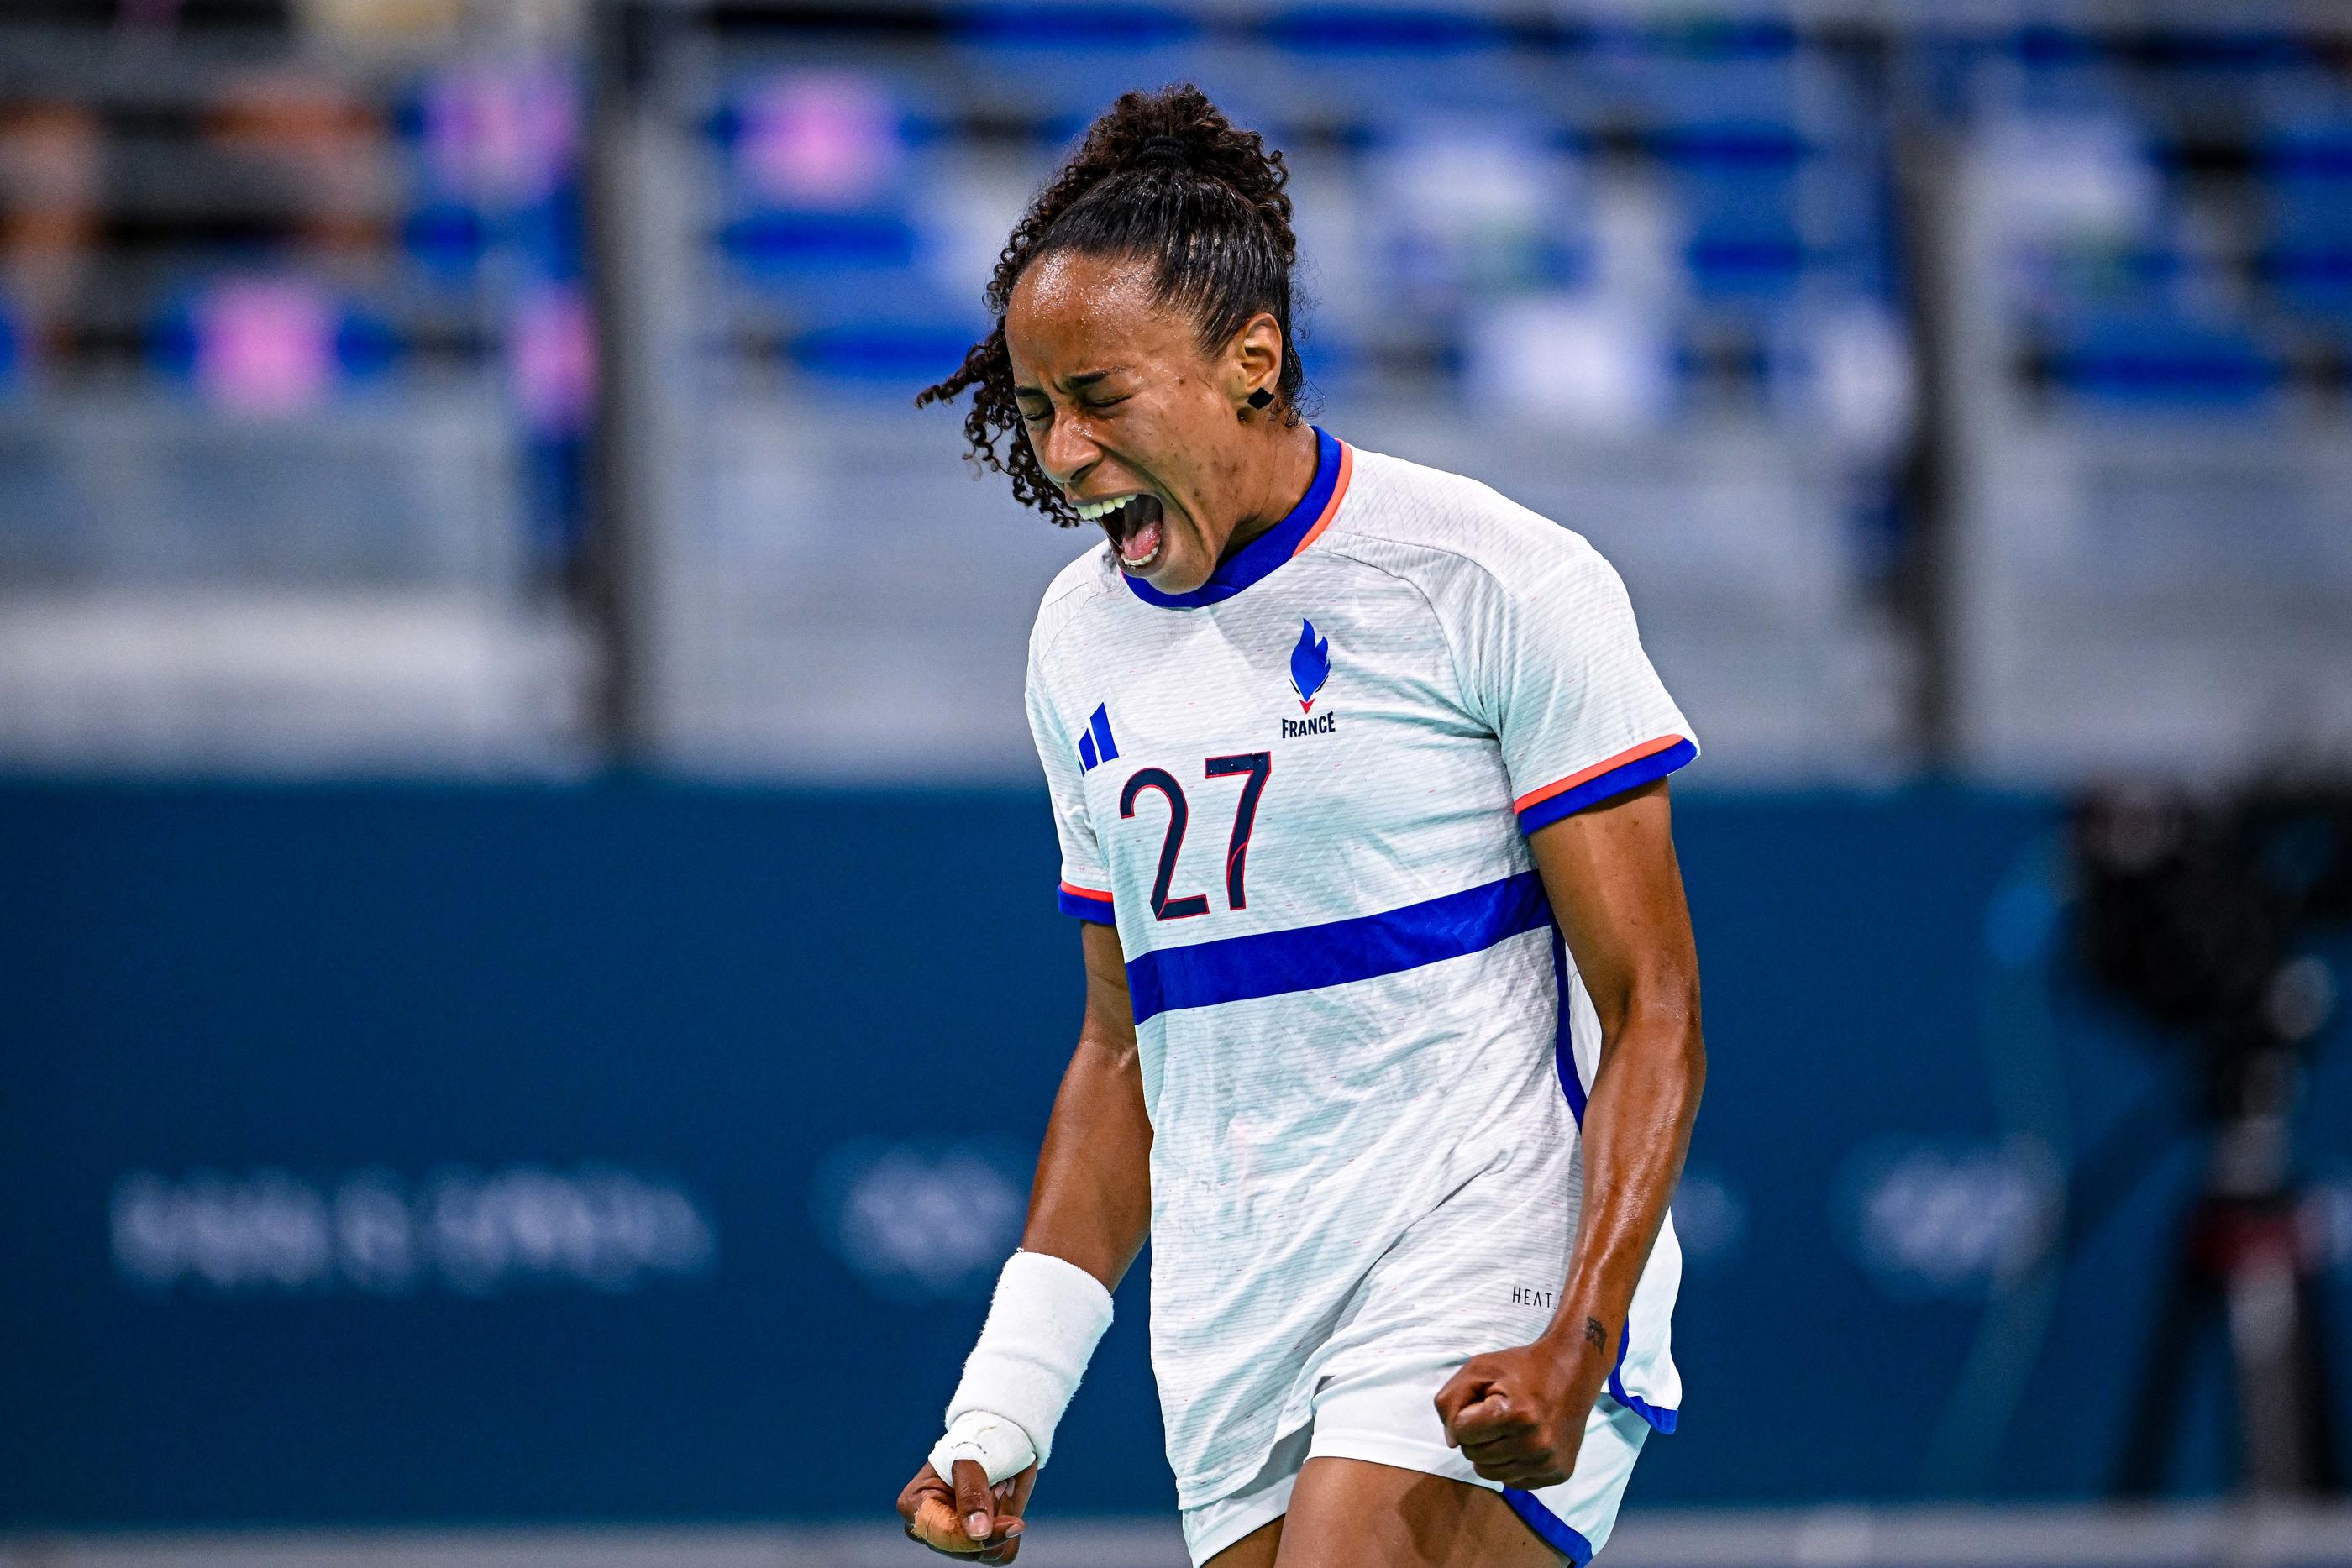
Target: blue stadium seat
<point x="2307" y="255"/>
<point x="783" y="243"/>
<point x="1738" y="185"/>
<point x="447" y="238"/>
<point x="2149" y="361"/>
<point x="889" y="353"/>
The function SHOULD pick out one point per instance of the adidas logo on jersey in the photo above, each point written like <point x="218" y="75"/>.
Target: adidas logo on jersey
<point x="1096" y="747"/>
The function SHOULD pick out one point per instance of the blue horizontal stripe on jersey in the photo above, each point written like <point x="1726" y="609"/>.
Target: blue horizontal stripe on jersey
<point x="1553" y="1531"/>
<point x="1616" y="781"/>
<point x="1098" y="910"/>
<point x="1309" y="958"/>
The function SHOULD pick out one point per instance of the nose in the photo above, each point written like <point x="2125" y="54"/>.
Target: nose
<point x="1068" y="449"/>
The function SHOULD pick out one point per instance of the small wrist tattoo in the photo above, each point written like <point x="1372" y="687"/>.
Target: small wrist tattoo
<point x="1594" y="1334"/>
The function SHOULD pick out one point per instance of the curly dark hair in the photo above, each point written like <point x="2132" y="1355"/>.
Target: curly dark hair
<point x="1163" y="176"/>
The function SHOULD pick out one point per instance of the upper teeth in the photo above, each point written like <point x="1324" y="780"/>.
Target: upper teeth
<point x="1094" y="510"/>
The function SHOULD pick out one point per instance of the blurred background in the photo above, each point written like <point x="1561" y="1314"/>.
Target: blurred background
<point x="527" y="967"/>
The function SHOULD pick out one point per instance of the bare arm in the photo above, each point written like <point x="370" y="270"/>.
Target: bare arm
<point x="1090" y="1206"/>
<point x="1091" y="1203"/>
<point x="1616" y="891"/>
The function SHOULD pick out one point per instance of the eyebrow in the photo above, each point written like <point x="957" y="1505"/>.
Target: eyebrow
<point x="1078" y="382"/>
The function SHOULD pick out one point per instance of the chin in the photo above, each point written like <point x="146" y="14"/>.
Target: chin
<point x="1174" y="572"/>
<point x="1171" y="577"/>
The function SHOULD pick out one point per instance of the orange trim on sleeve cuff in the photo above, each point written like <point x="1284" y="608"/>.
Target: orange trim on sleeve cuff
<point x="1075" y="890"/>
<point x="1630" y="754"/>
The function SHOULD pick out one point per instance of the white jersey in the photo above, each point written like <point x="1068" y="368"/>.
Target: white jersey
<point x="1301" y="793"/>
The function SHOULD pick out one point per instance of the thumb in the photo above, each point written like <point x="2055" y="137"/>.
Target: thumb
<point x="974" y="1503"/>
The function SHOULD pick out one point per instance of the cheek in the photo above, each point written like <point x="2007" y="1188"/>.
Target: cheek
<point x="1203" y="465"/>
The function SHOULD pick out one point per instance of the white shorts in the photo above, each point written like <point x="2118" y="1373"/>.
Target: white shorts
<point x="1388" y="1417"/>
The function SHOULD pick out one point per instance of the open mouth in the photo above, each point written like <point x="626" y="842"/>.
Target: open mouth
<point x="1137" y="526"/>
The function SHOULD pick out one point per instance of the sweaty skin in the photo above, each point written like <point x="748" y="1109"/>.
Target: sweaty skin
<point x="1616" y="889"/>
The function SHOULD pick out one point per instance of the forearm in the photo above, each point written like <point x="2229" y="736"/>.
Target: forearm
<point x="1637" y="1125"/>
<point x="1519" y="1415"/>
<point x="1088" y="1212"/>
<point x="1091" y="1203"/>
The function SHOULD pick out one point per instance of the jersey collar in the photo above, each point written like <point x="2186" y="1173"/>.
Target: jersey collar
<point x="1300" y="527"/>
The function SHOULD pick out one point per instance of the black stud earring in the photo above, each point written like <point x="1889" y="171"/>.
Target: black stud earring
<point x="1260" y="397"/>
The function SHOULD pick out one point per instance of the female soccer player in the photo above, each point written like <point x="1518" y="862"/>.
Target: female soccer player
<point x="1391" y="1039"/>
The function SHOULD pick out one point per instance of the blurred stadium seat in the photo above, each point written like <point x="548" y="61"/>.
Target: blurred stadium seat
<point x="2152" y="567"/>
<point x="277" y="499"/>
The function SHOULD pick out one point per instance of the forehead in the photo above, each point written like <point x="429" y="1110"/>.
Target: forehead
<point x="1071" y="313"/>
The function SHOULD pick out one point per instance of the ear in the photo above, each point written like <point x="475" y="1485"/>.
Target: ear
<point x="1254" y="359"/>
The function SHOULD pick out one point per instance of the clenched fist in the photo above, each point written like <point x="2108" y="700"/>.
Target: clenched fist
<point x="1519" y="1415"/>
<point x="970" y="1518"/>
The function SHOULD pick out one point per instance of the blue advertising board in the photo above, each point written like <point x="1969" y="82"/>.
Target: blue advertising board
<point x="640" y="1151"/>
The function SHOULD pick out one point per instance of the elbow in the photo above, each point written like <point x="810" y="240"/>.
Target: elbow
<point x="1692" y="1040"/>
<point x="1667" y="1017"/>
<point x="1110" y="1044"/>
<point x="1688" y="1049"/>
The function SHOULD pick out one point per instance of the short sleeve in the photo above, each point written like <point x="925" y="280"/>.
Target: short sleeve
<point x="1085" y="886"/>
<point x="1559" y="672"/>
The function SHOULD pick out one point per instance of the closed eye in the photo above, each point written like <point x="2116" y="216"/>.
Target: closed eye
<point x="1040" y="415"/>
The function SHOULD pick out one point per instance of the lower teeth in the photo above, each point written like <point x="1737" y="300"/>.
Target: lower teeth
<point x="1126" y="540"/>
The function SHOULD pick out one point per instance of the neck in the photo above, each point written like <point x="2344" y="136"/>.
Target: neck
<point x="1284" y="470"/>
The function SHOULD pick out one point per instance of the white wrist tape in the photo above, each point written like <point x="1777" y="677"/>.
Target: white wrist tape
<point x="1041" y="1329"/>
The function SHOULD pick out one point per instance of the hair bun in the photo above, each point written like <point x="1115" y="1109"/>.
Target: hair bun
<point x="1160" y="151"/>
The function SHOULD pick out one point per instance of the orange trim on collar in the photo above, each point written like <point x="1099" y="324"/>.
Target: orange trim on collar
<point x="1338" y="494"/>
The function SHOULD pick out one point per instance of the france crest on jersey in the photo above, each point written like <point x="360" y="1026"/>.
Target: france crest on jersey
<point x="1301" y="794"/>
